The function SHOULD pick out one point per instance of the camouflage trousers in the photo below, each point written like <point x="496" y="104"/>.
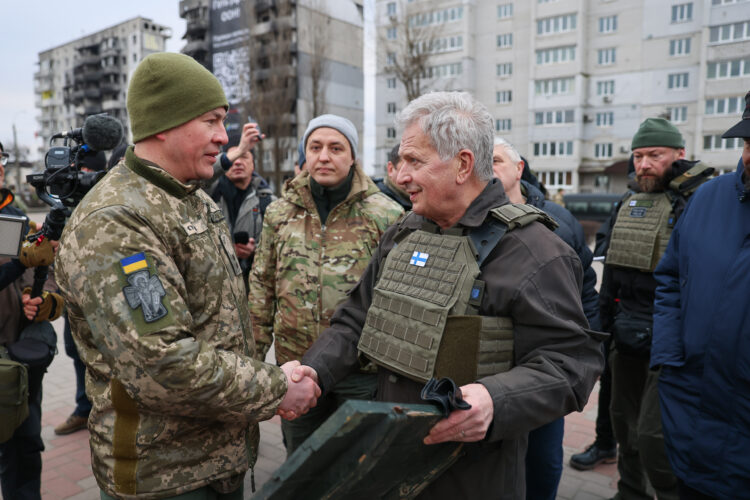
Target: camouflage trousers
<point x="205" y="493"/>
<point x="355" y="386"/>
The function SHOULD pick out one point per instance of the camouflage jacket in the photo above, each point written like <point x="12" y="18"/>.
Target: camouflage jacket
<point x="303" y="269"/>
<point x="157" y="309"/>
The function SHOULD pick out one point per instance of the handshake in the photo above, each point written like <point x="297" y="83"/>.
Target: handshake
<point x="302" y="391"/>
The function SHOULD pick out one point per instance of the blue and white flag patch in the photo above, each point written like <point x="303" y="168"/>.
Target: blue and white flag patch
<point x="419" y="258"/>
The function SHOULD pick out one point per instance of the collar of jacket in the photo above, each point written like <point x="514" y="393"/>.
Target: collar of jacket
<point x="741" y="185"/>
<point x="533" y="195"/>
<point x="678" y="168"/>
<point x="157" y="175"/>
<point x="493" y="195"/>
<point x="297" y="190"/>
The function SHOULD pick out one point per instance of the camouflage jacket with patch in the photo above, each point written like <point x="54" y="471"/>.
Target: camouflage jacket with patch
<point x="158" y="312"/>
<point x="303" y="269"/>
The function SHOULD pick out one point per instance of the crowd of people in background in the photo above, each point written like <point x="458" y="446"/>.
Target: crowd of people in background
<point x="182" y="268"/>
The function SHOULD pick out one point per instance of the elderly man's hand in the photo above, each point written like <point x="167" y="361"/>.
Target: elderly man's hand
<point x="302" y="391"/>
<point x="466" y="425"/>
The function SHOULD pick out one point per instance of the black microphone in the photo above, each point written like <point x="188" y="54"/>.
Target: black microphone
<point x="100" y="132"/>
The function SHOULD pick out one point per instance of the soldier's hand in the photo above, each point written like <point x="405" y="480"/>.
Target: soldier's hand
<point x="302" y="390"/>
<point x="38" y="253"/>
<point x="47" y="307"/>
<point x="466" y="425"/>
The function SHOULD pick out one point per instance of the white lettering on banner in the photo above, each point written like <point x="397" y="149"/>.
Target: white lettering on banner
<point x="230" y="14"/>
<point x="223" y="4"/>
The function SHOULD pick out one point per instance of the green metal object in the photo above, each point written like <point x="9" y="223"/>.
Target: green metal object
<point x="366" y="450"/>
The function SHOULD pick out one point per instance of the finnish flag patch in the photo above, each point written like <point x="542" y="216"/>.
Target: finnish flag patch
<point x="419" y="259"/>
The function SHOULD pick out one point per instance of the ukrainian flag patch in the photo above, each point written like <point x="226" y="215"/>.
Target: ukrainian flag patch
<point x="134" y="263"/>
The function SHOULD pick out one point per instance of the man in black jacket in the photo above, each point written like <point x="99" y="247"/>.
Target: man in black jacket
<point x="544" y="456"/>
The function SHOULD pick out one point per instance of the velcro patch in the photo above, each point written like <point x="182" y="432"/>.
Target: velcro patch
<point x="638" y="212"/>
<point x="144" y="290"/>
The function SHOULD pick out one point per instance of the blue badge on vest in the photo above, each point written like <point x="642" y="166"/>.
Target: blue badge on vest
<point x="419" y="259"/>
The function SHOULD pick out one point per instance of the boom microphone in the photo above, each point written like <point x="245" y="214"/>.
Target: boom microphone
<point x="100" y="132"/>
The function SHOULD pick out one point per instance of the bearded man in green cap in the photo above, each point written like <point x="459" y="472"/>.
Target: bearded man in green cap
<point x="644" y="219"/>
<point x="157" y="305"/>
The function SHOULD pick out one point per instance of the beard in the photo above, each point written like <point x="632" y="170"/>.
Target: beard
<point x="651" y="184"/>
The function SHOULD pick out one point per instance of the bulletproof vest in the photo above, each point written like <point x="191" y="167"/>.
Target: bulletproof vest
<point x="645" y="221"/>
<point x="423" y="321"/>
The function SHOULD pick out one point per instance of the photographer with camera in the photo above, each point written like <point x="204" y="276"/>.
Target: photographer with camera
<point x="242" y="195"/>
<point x="28" y="339"/>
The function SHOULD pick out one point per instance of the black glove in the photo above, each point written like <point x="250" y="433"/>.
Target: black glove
<point x="444" y="394"/>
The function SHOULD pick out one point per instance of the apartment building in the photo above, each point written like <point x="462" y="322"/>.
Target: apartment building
<point x="90" y="75"/>
<point x="568" y="81"/>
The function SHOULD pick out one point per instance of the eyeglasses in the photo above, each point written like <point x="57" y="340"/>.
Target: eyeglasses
<point x="4" y="158"/>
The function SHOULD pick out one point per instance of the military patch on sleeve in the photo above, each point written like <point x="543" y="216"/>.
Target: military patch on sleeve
<point x="144" y="290"/>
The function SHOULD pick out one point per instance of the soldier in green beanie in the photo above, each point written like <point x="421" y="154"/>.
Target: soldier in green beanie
<point x="158" y="309"/>
<point x="664" y="180"/>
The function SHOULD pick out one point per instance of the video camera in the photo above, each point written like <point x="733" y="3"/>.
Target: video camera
<point x="62" y="184"/>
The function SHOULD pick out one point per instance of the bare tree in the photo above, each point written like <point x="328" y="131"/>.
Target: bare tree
<point x="319" y="45"/>
<point x="409" y="46"/>
<point x="273" y="83"/>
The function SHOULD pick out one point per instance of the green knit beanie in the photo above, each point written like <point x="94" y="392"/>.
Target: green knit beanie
<point x="169" y="89"/>
<point x="655" y="132"/>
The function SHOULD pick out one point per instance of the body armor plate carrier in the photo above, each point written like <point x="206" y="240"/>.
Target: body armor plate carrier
<point x="423" y="321"/>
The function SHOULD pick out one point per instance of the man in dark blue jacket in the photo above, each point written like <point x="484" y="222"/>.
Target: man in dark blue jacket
<point x="544" y="455"/>
<point x="701" y="340"/>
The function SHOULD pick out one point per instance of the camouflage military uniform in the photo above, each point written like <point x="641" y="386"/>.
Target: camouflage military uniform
<point x="158" y="312"/>
<point x="303" y="269"/>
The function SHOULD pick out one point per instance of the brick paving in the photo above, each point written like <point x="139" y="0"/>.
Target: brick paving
<point x="66" y="470"/>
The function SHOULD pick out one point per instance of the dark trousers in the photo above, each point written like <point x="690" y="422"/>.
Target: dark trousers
<point x="83" y="405"/>
<point x="544" y="458"/>
<point x="605" y="436"/>
<point x="205" y="493"/>
<point x="355" y="386"/>
<point x="21" y="456"/>
<point x="636" y="418"/>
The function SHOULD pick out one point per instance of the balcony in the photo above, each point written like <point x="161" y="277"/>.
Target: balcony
<point x="196" y="28"/>
<point x="113" y="104"/>
<point x="92" y="76"/>
<point x="195" y="47"/>
<point x="92" y="93"/>
<point x="111" y="51"/>
<point x="85" y="60"/>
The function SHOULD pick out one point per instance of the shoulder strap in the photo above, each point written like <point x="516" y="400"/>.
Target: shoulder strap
<point x="686" y="183"/>
<point x="265" y="197"/>
<point x="516" y="215"/>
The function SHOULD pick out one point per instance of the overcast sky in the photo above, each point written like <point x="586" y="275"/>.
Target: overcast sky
<point x="32" y="26"/>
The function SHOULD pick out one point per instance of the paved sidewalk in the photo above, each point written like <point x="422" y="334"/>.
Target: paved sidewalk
<point x="67" y="464"/>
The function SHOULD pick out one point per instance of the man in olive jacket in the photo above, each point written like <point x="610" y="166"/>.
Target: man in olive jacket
<point x="536" y="359"/>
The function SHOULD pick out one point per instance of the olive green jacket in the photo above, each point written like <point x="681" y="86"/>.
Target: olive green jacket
<point x="158" y="313"/>
<point x="304" y="269"/>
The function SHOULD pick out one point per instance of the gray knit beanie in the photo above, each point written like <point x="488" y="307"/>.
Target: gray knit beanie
<point x="335" y="122"/>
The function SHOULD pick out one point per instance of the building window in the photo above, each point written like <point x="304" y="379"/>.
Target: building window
<point x="505" y="40"/>
<point x="443" y="44"/>
<point x="504" y="69"/>
<point x="391" y="34"/>
<point x="437" y="17"/>
<point x="391" y="106"/>
<point x="716" y="143"/>
<point x="608" y="24"/>
<point x="554" y="86"/>
<point x="603" y="150"/>
<point x="556" y="55"/>
<point x="503" y="96"/>
<point x="678" y="114"/>
<point x="390" y="83"/>
<point x="729" y="32"/>
<point x="679" y="47"/>
<point x="553" y="148"/>
<point x="556" y="180"/>
<point x="450" y="69"/>
<point x="390" y="133"/>
<point x="555" y="117"/>
<point x="556" y="24"/>
<point x="391" y="8"/>
<point x="505" y="11"/>
<point x="605" y="119"/>
<point x="547" y="1"/>
<point x="605" y="87"/>
<point x="502" y="125"/>
<point x="729" y="69"/>
<point x="724" y="105"/>
<point x="605" y="57"/>
<point x="677" y="81"/>
<point x="390" y="59"/>
<point x="682" y="12"/>
<point x="725" y="2"/>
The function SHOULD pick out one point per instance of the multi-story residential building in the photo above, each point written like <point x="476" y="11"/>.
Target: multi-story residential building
<point x="90" y="74"/>
<point x="568" y="81"/>
<point x="198" y="30"/>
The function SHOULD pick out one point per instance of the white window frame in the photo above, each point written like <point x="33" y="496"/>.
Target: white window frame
<point x="504" y="70"/>
<point x="678" y="81"/>
<point x="682" y="12"/>
<point x="503" y="125"/>
<point x="679" y="47"/>
<point x="724" y="105"/>
<point x="505" y="41"/>
<point x="503" y="97"/>
<point x="605" y="119"/>
<point x="677" y="114"/>
<point x="557" y="24"/>
<point x="608" y="24"/>
<point x="505" y="11"/>
<point x="603" y="150"/>
<point x="606" y="57"/>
